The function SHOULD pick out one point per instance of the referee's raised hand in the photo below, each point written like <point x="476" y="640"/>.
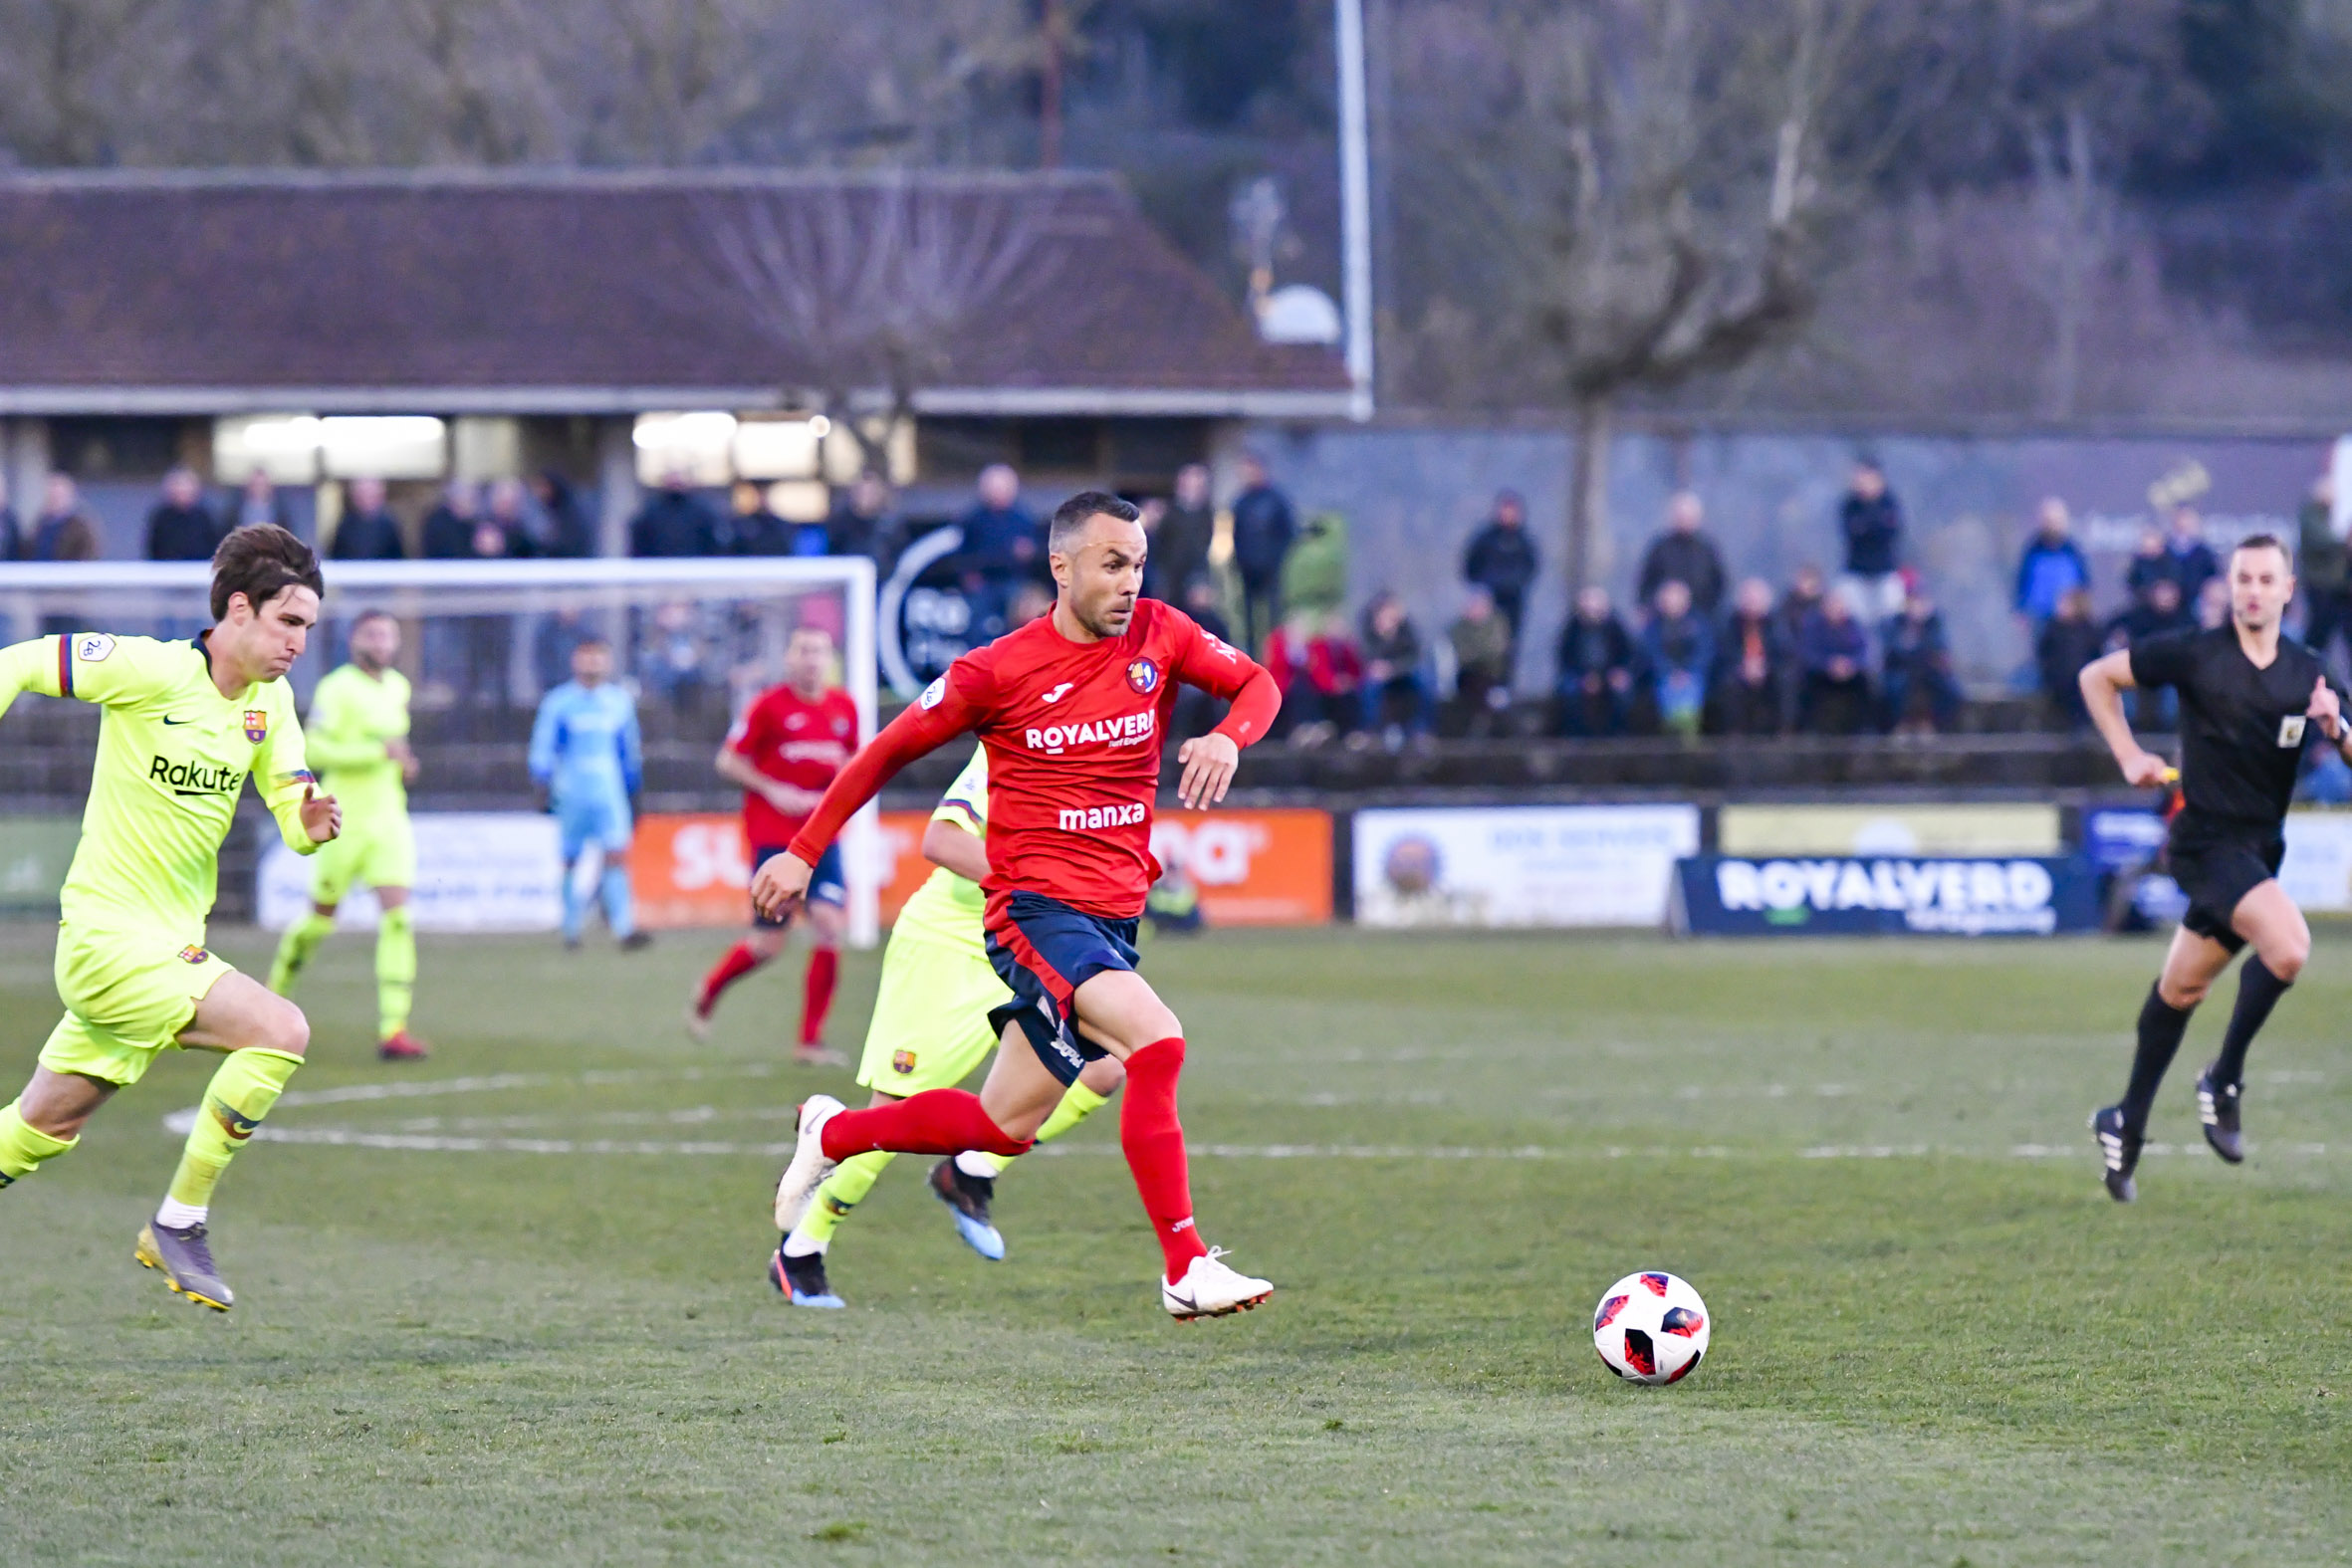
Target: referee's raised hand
<point x="2326" y="710"/>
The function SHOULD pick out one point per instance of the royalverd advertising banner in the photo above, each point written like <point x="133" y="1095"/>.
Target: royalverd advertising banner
<point x="1886" y="895"/>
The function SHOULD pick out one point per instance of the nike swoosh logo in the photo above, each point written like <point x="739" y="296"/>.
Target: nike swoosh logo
<point x="167" y="719"/>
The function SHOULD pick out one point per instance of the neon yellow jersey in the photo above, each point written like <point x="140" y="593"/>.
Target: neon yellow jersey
<point x="948" y="908"/>
<point x="173" y="754"/>
<point x="352" y="714"/>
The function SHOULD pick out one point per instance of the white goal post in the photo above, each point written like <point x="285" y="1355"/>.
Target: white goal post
<point x="145" y="597"/>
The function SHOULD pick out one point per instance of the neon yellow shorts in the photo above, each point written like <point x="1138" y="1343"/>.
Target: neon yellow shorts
<point x="128" y="994"/>
<point x="930" y="1024"/>
<point x="374" y="849"/>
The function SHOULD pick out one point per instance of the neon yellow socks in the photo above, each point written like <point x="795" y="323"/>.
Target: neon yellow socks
<point x="852" y="1179"/>
<point x="236" y="1100"/>
<point x="302" y="939"/>
<point x="23" y="1146"/>
<point x="1078" y="1103"/>
<point x="395" y="971"/>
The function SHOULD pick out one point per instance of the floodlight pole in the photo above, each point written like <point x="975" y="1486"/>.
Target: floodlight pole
<point x="1355" y="207"/>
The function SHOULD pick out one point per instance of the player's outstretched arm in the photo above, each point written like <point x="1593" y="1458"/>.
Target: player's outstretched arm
<point x="2103" y="682"/>
<point x="90" y="666"/>
<point x="1222" y="670"/>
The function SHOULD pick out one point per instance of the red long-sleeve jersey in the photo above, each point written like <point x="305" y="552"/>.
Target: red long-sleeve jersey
<point x="1073" y="733"/>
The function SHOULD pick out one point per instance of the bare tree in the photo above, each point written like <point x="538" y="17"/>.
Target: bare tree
<point x="1649" y="183"/>
<point x="874" y="284"/>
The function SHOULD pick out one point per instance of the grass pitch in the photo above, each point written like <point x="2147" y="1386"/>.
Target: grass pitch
<point x="514" y="1311"/>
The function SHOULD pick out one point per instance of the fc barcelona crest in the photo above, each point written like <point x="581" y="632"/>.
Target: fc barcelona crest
<point x="257" y="725"/>
<point x="902" y="1061"/>
<point x="1143" y="676"/>
<point x="193" y="954"/>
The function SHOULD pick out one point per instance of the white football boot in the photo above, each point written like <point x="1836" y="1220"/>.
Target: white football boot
<point x="808" y="1166"/>
<point x="1210" y="1289"/>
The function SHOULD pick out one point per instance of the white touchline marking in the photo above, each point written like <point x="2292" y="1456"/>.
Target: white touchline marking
<point x="415" y="1139"/>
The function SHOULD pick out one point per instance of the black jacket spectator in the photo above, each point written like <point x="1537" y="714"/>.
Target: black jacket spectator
<point x="1917" y="668"/>
<point x="1834" y="652"/>
<point x="756" y="531"/>
<point x="1751" y="670"/>
<point x="864" y="522"/>
<point x="1502" y="559"/>
<point x="1595" y="669"/>
<point x="11" y="534"/>
<point x="368" y="535"/>
<point x="572" y="534"/>
<point x="1873" y="529"/>
<point x="448" y="535"/>
<point x="1180" y="548"/>
<point x="2069" y="639"/>
<point x="1263" y="529"/>
<point x="182" y="532"/>
<point x="1687" y="556"/>
<point x="674" y="522"/>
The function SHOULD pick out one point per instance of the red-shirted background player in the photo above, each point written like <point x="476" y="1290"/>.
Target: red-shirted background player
<point x="1072" y="707"/>
<point x="789" y="746"/>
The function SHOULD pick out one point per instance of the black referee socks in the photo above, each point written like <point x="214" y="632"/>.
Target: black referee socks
<point x="2161" y="1027"/>
<point x="2258" y="992"/>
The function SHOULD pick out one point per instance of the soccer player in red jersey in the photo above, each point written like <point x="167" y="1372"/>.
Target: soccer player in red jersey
<point x="790" y="744"/>
<point x="1072" y="707"/>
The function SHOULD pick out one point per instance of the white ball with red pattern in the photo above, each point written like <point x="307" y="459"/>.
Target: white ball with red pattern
<point x="1651" y="1327"/>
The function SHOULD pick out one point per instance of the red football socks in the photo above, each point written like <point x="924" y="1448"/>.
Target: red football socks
<point x="936" y="1121"/>
<point x="739" y="961"/>
<point x="1154" y="1143"/>
<point x="817" y="994"/>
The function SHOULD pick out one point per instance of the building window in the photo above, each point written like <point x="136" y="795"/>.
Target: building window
<point x="301" y="449"/>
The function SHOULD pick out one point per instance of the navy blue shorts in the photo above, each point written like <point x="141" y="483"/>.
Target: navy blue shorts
<point x="825" y="883"/>
<point x="1043" y="950"/>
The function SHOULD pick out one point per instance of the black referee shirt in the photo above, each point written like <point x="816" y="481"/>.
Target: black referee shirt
<point x="2242" y="730"/>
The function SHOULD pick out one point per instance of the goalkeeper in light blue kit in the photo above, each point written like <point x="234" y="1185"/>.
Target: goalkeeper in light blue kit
<point x="586" y="754"/>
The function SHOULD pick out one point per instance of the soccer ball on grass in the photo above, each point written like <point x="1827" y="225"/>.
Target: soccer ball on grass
<point x="1651" y="1327"/>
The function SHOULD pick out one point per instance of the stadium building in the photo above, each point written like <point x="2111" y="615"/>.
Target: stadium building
<point x="615" y="329"/>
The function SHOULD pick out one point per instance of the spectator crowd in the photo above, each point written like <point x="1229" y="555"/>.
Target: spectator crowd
<point x="1858" y="650"/>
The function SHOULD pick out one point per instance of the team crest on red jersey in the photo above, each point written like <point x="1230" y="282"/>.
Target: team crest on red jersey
<point x="1143" y="676"/>
<point x="257" y="725"/>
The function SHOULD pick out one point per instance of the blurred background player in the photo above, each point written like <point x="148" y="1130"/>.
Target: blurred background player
<point x="586" y="753"/>
<point x="785" y="750"/>
<point x="930" y="1028"/>
<point x="357" y="738"/>
<point x="185" y="725"/>
<point x="2251" y="700"/>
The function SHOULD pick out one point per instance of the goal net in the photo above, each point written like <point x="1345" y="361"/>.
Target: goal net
<point x="693" y="642"/>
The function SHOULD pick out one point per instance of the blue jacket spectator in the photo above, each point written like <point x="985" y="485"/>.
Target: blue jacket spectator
<point x="368" y="530"/>
<point x="12" y="532"/>
<point x="1001" y="537"/>
<point x="675" y="522"/>
<point x="2190" y="560"/>
<point x="2052" y="566"/>
<point x="1678" y="651"/>
<point x="1835" y="653"/>
<point x="181" y="527"/>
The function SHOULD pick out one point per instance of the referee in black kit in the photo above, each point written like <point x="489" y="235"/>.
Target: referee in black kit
<point x="2250" y="701"/>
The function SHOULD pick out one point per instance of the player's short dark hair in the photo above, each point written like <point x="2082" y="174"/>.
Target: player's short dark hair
<point x="1071" y="517"/>
<point x="374" y="612"/>
<point x="260" y="560"/>
<point x="2265" y="542"/>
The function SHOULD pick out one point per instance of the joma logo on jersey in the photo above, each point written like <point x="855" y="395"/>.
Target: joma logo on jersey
<point x="1125" y="730"/>
<point x="1088" y="818"/>
<point x="195" y="778"/>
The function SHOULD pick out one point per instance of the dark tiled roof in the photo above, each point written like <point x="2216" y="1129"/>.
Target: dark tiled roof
<point x="570" y="289"/>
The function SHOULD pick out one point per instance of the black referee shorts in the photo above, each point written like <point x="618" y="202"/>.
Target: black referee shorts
<point x="2216" y="870"/>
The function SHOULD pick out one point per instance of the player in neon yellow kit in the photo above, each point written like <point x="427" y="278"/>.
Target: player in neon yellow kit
<point x="358" y="738"/>
<point x="185" y="725"/>
<point x="929" y="1031"/>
